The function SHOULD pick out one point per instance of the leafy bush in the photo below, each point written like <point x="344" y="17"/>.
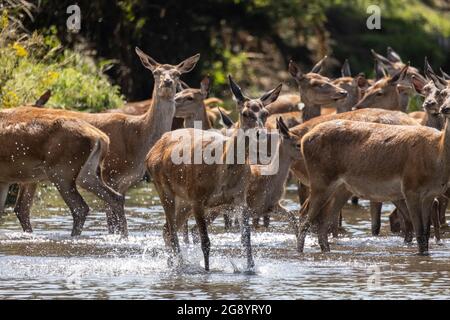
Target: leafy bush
<point x="32" y="64"/>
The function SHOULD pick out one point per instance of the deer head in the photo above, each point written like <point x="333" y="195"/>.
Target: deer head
<point x="290" y="143"/>
<point x="445" y="108"/>
<point x="167" y="77"/>
<point x="314" y="88"/>
<point x="252" y="112"/>
<point x="189" y="102"/>
<point x="355" y="88"/>
<point x="385" y="93"/>
<point x="394" y="65"/>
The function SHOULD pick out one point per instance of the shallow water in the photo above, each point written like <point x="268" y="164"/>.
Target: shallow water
<point x="51" y="264"/>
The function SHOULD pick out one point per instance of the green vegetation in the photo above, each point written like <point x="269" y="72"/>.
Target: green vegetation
<point x="32" y="64"/>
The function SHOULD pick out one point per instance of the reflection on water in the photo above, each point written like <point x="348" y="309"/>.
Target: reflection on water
<point x="51" y="264"/>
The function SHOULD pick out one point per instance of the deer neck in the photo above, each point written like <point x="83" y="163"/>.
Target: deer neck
<point x="434" y="121"/>
<point x="279" y="166"/>
<point x="310" y="109"/>
<point x="231" y="157"/>
<point x="201" y="116"/>
<point x="156" y="121"/>
<point x="445" y="147"/>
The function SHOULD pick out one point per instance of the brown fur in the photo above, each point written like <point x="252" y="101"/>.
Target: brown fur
<point x="132" y="136"/>
<point x="39" y="146"/>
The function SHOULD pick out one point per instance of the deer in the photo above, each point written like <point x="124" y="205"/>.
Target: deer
<point x="394" y="65"/>
<point x="4" y="189"/>
<point x="35" y="148"/>
<point x="190" y="185"/>
<point x="131" y="137"/>
<point x="355" y="86"/>
<point x="411" y="164"/>
<point x="315" y="89"/>
<point x="433" y="119"/>
<point x="265" y="191"/>
<point x="388" y="93"/>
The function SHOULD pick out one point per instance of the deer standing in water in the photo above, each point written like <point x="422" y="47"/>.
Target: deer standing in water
<point x="202" y="186"/>
<point x="35" y="148"/>
<point x="131" y="138"/>
<point x="379" y="162"/>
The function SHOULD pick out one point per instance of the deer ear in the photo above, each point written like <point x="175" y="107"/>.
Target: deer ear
<point x="345" y="70"/>
<point x="318" y="66"/>
<point x="399" y="75"/>
<point x="146" y="60"/>
<point x="393" y="56"/>
<point x="226" y="120"/>
<point x="188" y="64"/>
<point x="236" y="91"/>
<point x="295" y="71"/>
<point x="271" y="96"/>
<point x="439" y="82"/>
<point x="417" y="84"/>
<point x="181" y="85"/>
<point x="380" y="72"/>
<point x="381" y="59"/>
<point x="43" y="99"/>
<point x="205" y="86"/>
<point x="445" y="75"/>
<point x="282" y="128"/>
<point x="361" y="81"/>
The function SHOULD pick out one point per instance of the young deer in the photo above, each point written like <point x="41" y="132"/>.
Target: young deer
<point x="315" y="90"/>
<point x="394" y="65"/>
<point x="388" y="93"/>
<point x="190" y="106"/>
<point x="191" y="185"/>
<point x="379" y="162"/>
<point x="35" y="148"/>
<point x="131" y="137"/>
<point x="362" y="115"/>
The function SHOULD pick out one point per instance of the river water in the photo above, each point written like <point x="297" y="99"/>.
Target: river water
<point x="51" y="264"/>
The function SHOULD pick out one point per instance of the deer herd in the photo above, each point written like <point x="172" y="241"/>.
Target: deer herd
<point x="339" y="138"/>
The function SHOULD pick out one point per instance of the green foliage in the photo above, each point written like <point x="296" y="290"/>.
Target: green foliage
<point x="32" y="64"/>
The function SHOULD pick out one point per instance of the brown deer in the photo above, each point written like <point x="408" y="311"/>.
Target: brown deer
<point x="433" y="101"/>
<point x="394" y="65"/>
<point x="362" y="115"/>
<point x="355" y="87"/>
<point x="315" y="90"/>
<point x="379" y="162"/>
<point x="131" y="137"/>
<point x="37" y="146"/>
<point x="191" y="185"/>
<point x="388" y="93"/>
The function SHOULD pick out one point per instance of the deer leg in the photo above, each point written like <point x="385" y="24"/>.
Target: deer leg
<point x="435" y="220"/>
<point x="170" y="228"/>
<point x="333" y="212"/>
<point x="375" y="215"/>
<point x="443" y="203"/>
<point x="266" y="221"/>
<point x="246" y="236"/>
<point x="114" y="200"/>
<point x="227" y="221"/>
<point x="427" y="213"/>
<point x="303" y="193"/>
<point x="76" y="204"/>
<point x="318" y="199"/>
<point x="199" y="214"/>
<point x="23" y="205"/>
<point x="255" y="223"/>
<point x="396" y="222"/>
<point x="4" y="188"/>
<point x="403" y="215"/>
<point x="415" y="211"/>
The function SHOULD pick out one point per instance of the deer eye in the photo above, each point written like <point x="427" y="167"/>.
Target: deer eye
<point x="379" y="93"/>
<point x="189" y="98"/>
